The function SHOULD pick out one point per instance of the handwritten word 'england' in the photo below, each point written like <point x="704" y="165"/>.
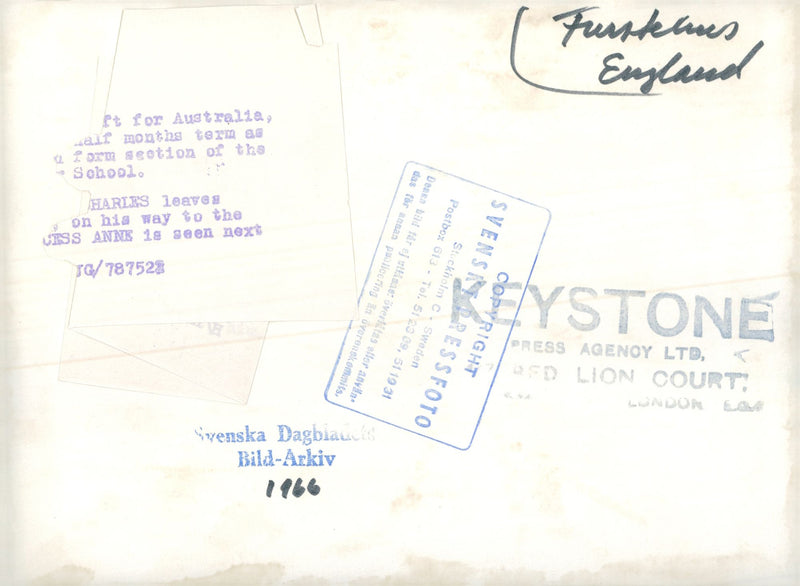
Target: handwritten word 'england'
<point x="614" y="67"/>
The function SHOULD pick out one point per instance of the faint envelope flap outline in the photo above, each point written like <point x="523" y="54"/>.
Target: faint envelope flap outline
<point x="274" y="242"/>
<point x="213" y="361"/>
<point x="213" y="354"/>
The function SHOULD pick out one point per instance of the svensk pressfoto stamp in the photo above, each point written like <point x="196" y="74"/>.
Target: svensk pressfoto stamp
<point x="425" y="350"/>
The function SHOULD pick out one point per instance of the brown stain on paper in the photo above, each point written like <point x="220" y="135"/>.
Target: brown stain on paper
<point x="418" y="571"/>
<point x="66" y="576"/>
<point x="409" y="500"/>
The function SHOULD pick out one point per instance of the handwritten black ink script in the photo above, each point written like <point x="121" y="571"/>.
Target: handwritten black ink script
<point x="615" y="68"/>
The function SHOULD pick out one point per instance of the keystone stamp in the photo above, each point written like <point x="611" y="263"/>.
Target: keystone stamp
<point x="424" y="351"/>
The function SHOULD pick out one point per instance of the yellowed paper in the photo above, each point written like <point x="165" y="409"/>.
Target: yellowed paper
<point x="566" y="352"/>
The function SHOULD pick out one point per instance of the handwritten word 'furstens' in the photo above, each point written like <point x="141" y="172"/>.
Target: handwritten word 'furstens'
<point x="653" y="28"/>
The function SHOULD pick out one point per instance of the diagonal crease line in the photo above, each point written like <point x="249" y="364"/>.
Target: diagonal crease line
<point x="346" y="167"/>
<point x="94" y="91"/>
<point x="340" y="328"/>
<point x="317" y="28"/>
<point x="300" y="24"/>
<point x="113" y="62"/>
<point x="216" y="398"/>
<point x="140" y="358"/>
<point x="564" y="301"/>
<point x="322" y="37"/>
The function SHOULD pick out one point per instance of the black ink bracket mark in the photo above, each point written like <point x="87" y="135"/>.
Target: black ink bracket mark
<point x="520" y="12"/>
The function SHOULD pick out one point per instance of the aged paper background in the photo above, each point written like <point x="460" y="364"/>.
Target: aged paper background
<point x="572" y="478"/>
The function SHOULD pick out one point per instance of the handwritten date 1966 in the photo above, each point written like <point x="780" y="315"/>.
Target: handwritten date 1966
<point x="298" y="490"/>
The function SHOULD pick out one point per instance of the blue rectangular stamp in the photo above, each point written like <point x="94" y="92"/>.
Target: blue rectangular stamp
<point x="452" y="253"/>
